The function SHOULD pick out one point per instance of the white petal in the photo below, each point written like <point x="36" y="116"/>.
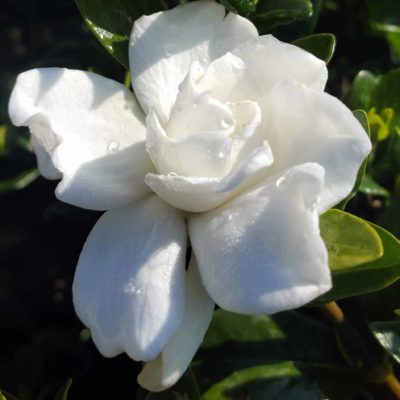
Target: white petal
<point x="45" y="164"/>
<point x="269" y="61"/>
<point x="196" y="155"/>
<point x="170" y="365"/>
<point x="164" y="45"/>
<point x="304" y="125"/>
<point x="203" y="194"/>
<point x="262" y="252"/>
<point x="88" y="128"/>
<point x="129" y="283"/>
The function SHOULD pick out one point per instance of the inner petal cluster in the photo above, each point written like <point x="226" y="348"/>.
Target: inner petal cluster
<point x="204" y="137"/>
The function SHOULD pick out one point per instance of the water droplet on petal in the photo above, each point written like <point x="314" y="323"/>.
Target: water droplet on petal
<point x="112" y="147"/>
<point x="227" y="122"/>
<point x="221" y="154"/>
<point x="281" y="182"/>
<point x="172" y="174"/>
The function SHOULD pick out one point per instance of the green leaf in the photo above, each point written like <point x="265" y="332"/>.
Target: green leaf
<point x="284" y="356"/>
<point x="62" y="394"/>
<point x="322" y="45"/>
<point x="370" y="187"/>
<point x="386" y="93"/>
<point x="274" y="13"/>
<point x="3" y="135"/>
<point x="368" y="277"/>
<point x="361" y="92"/>
<point x="390" y="216"/>
<point x="6" y="396"/>
<point x="20" y="181"/>
<point x="277" y="381"/>
<point x="350" y="240"/>
<point x="388" y="335"/>
<point x="242" y="7"/>
<point x="288" y="381"/>
<point x="111" y="22"/>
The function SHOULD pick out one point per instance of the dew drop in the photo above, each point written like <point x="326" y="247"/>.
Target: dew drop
<point x="227" y="122"/>
<point x="221" y="154"/>
<point x="112" y="147"/>
<point x="130" y="287"/>
<point x="172" y="174"/>
<point x="281" y="182"/>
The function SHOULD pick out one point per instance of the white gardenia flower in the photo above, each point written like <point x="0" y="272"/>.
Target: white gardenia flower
<point x="230" y="142"/>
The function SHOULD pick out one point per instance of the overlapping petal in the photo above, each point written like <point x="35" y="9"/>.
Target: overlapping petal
<point x="262" y="251"/>
<point x="87" y="129"/>
<point x="129" y="283"/>
<point x="252" y="69"/>
<point x="203" y="194"/>
<point x="170" y="365"/>
<point x="304" y="125"/>
<point x="164" y="45"/>
<point x="269" y="61"/>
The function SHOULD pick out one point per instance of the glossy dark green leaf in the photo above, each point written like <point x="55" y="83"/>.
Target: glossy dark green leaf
<point x="277" y="381"/>
<point x="350" y="240"/>
<point x="274" y="13"/>
<point x="242" y="7"/>
<point x="368" y="277"/>
<point x="111" y="21"/>
<point x="386" y="94"/>
<point x="390" y="217"/>
<point x="370" y="187"/>
<point x="322" y="45"/>
<point x="288" y="381"/>
<point x="388" y="335"/>
<point x="284" y="356"/>
<point x="62" y="394"/>
<point x="361" y="93"/>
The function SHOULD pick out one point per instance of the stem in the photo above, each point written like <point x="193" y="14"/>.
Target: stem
<point x="349" y="337"/>
<point x="393" y="385"/>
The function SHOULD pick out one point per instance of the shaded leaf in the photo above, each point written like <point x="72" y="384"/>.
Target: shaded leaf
<point x="3" y="135"/>
<point x="242" y="7"/>
<point x="277" y="380"/>
<point x="370" y="187"/>
<point x="280" y="356"/>
<point x="390" y="217"/>
<point x="361" y="92"/>
<point x="274" y="13"/>
<point x="386" y="94"/>
<point x="388" y="335"/>
<point x="62" y="394"/>
<point x="322" y="45"/>
<point x="6" y="396"/>
<point x="111" y="21"/>
<point x="350" y="240"/>
<point x="20" y="181"/>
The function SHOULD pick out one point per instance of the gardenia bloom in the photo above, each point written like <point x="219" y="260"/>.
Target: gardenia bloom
<point x="230" y="142"/>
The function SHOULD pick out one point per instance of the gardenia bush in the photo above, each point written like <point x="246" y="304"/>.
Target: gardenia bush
<point x="226" y="153"/>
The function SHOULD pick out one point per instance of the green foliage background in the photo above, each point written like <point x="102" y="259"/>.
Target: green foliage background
<point x="293" y="355"/>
